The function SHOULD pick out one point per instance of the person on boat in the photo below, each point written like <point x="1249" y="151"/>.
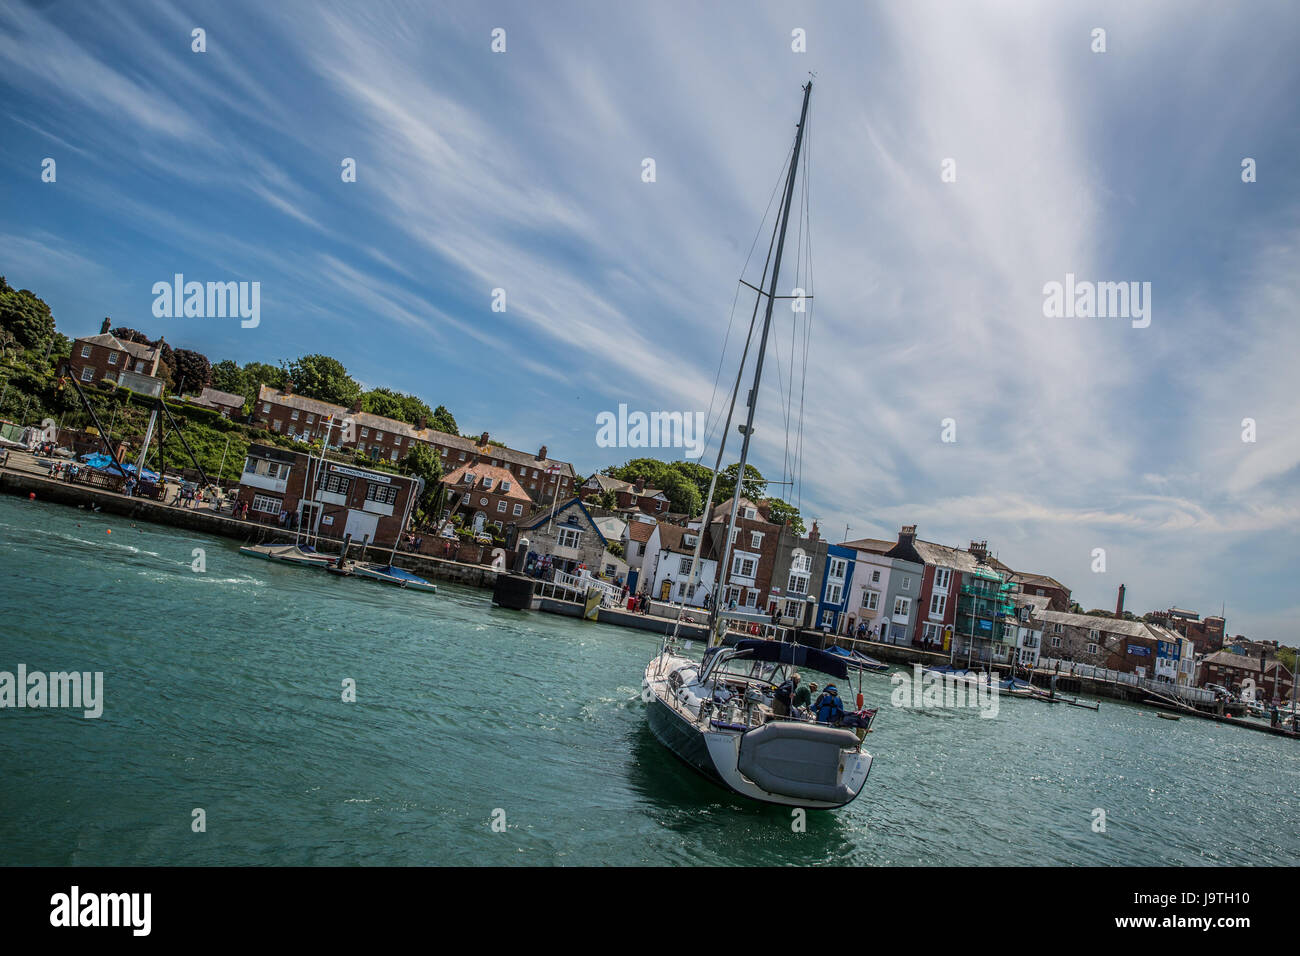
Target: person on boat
<point x="784" y="695"/>
<point x="803" y="695"/>
<point x="829" y="708"/>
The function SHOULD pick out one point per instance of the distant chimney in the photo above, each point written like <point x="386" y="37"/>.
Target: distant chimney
<point x="483" y="440"/>
<point x="980" y="549"/>
<point x="814" y="535"/>
<point x="103" y="329"/>
<point x="422" y="424"/>
<point x="1119" y="604"/>
<point x="907" y="534"/>
<point x="356" y="407"/>
<point x="541" y="453"/>
<point x="288" y="388"/>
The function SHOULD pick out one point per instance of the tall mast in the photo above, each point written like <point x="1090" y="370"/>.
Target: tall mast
<point x="724" y="567"/>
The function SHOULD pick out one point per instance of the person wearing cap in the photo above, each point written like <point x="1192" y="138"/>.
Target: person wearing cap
<point x="785" y="695"/>
<point x="803" y="695"/>
<point x="829" y="708"/>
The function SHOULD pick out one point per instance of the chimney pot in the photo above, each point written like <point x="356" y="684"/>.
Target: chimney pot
<point x="103" y="329"/>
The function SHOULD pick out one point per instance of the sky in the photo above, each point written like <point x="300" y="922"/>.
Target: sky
<point x="523" y="170"/>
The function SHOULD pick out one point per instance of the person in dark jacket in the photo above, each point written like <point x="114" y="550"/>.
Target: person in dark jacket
<point x="785" y="695"/>
<point x="829" y="708"/>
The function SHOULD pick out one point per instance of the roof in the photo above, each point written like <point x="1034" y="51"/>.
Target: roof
<point x="722" y="511"/>
<point x="611" y="527"/>
<point x="672" y="538"/>
<point x="543" y="514"/>
<point x="1245" y="662"/>
<point x="1109" y="625"/>
<point x="482" y="471"/>
<point x="941" y="555"/>
<point x="432" y="436"/>
<point x="1037" y="580"/>
<point x="606" y="483"/>
<point x="874" y="545"/>
<point x="640" y="530"/>
<point x="210" y="396"/>
<point x="138" y="349"/>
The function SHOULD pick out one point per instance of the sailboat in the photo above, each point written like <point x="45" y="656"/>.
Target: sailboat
<point x="719" y="715"/>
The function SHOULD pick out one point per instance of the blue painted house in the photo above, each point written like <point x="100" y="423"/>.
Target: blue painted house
<point x="833" y="607"/>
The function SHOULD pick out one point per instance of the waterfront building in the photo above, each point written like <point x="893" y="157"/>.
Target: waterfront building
<point x="105" y="358"/>
<point x="1042" y="585"/>
<point x="834" y="608"/>
<point x="481" y="494"/>
<point x="332" y="498"/>
<point x="1239" y="672"/>
<point x="748" y="578"/>
<point x="797" y="574"/>
<point x="1131" y="647"/>
<point x="639" y="530"/>
<point x="378" y="438"/>
<point x="869" y="587"/>
<point x="1208" y="634"/>
<point x="670" y="560"/>
<point x="569" y="537"/>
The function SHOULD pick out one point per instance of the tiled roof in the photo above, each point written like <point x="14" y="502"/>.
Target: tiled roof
<point x="1037" y="580"/>
<point x="640" y="530"/>
<point x="454" y="480"/>
<point x="1247" y="662"/>
<point x="1107" y="625"/>
<point x="138" y="349"/>
<point x="873" y="545"/>
<point x="671" y="539"/>
<point x="210" y="396"/>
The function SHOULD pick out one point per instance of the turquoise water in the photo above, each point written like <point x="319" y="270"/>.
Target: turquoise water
<point x="223" y="692"/>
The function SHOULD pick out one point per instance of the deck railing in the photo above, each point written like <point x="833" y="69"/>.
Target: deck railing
<point x="1193" y="695"/>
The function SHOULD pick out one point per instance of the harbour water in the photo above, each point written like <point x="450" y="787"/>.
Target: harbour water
<point x="223" y="692"/>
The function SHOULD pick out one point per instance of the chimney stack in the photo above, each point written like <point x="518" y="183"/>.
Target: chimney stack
<point x="103" y="329"/>
<point x="980" y="549"/>
<point x="541" y="453"/>
<point x="908" y="534"/>
<point x="1119" y="604"/>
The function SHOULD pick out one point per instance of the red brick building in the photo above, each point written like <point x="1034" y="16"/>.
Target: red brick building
<point x="630" y="495"/>
<point x="755" y="543"/>
<point x="1270" y="678"/>
<point x="1206" y="634"/>
<point x="1041" y="585"/>
<point x="104" y="357"/>
<point x="332" y="497"/>
<point x="390" y="440"/>
<point x="484" y="494"/>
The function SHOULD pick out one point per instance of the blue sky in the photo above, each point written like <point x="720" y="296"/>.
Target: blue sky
<point x="522" y="171"/>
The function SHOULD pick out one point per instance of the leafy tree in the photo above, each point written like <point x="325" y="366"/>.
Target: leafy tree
<point x="423" y="462"/>
<point x="25" y="316"/>
<point x="608" y="499"/>
<point x="753" y="487"/>
<point x="259" y="373"/>
<point x="782" y="512"/>
<point x="228" y="377"/>
<point x="683" y="495"/>
<point x="323" y="378"/>
<point x="397" y="405"/>
<point x="192" y="368"/>
<point x="444" y="421"/>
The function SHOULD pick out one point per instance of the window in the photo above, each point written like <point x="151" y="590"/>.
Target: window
<point x="798" y="583"/>
<point x="464" y="499"/>
<point x="942" y="577"/>
<point x="1093" y="635"/>
<point x="294" y="415"/>
<point x="275" y="425"/>
<point x="1056" y="642"/>
<point x="535" y="475"/>
<point x="85" y="351"/>
<point x="487" y="484"/>
<point x="932" y="633"/>
<point x="337" y="484"/>
<point x="834" y="593"/>
<point x="382" y="494"/>
<point x="462" y="456"/>
<point x="397" y="439"/>
<point x="87" y="373"/>
<point x="1092" y="648"/>
<point x="938" y="602"/>
<point x="569" y="538"/>
<point x="505" y="487"/>
<point x="875" y="577"/>
<point x="469" y="477"/>
<point x="365" y="433"/>
<point x="266" y="408"/>
<point x="311" y="419"/>
<point x="392" y="456"/>
<point x="518" y="510"/>
<point x="907" y="582"/>
<point x="838" y="568"/>
<point x="755" y="540"/>
<point x="684" y="566"/>
<point x="902" y="607"/>
<point x="750" y="514"/>
<point x="266" y="504"/>
<point x="742" y="567"/>
<point x="379" y="436"/>
<point x="112" y="358"/>
<point x="870" y="600"/>
<point x="501" y="506"/>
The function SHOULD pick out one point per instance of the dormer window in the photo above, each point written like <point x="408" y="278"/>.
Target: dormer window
<point x="469" y="477"/>
<point x="750" y="514"/>
<point x="487" y="484"/>
<point x="505" y="487"/>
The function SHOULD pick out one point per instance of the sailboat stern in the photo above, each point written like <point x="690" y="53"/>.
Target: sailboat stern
<point x="804" y="764"/>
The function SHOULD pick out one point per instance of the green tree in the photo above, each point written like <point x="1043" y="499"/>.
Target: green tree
<point x="683" y="495"/>
<point x="608" y="499"/>
<point x="782" y="512"/>
<point x="423" y="462"/>
<point x="444" y="421"/>
<point x="227" y="376"/>
<point x="26" y="317"/>
<point x="396" y="405"/>
<point x="753" y="488"/>
<point x="192" y="368"/>
<point x="323" y="378"/>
